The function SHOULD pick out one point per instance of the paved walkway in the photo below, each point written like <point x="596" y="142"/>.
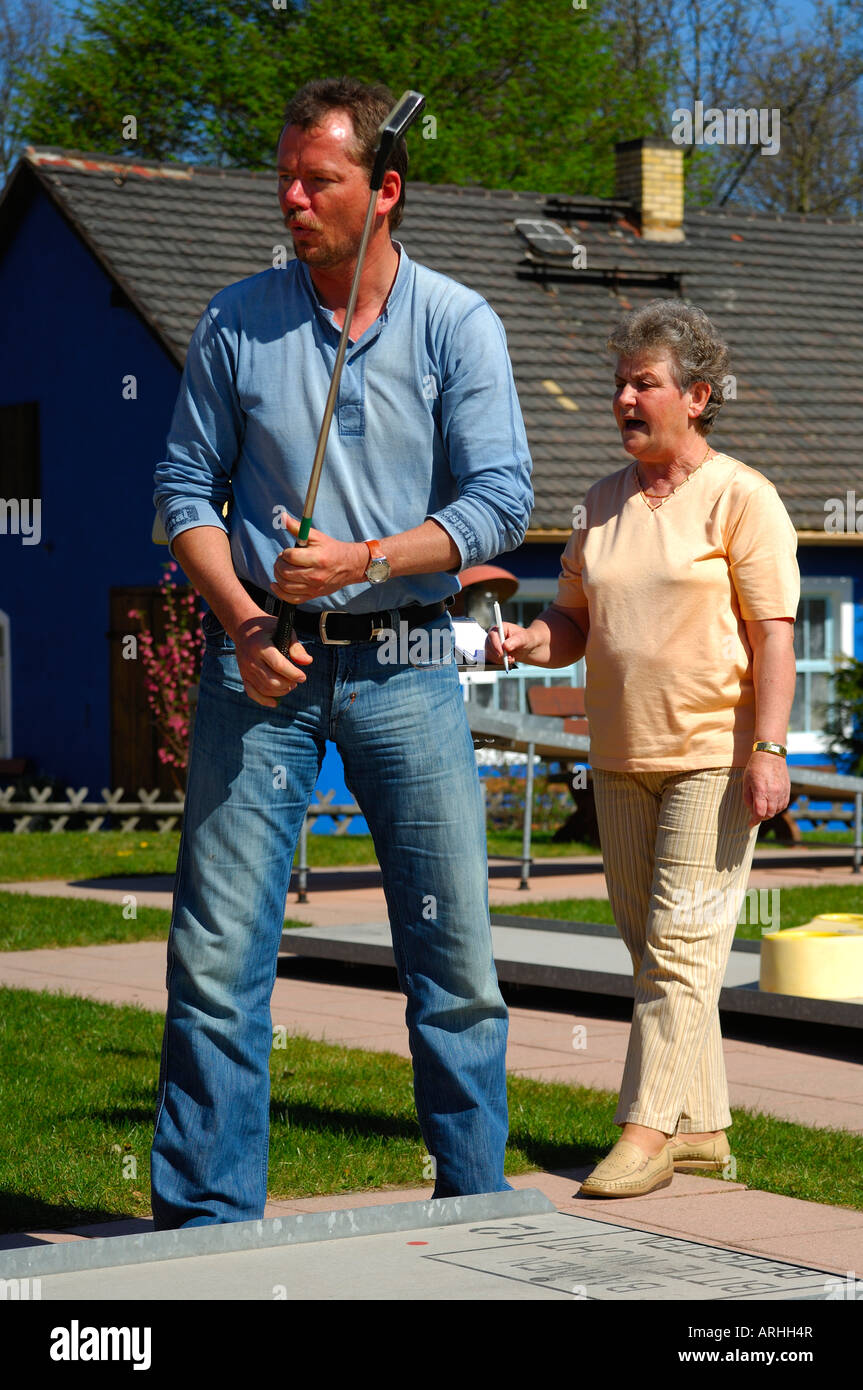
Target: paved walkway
<point x="810" y="1085"/>
<point x="354" y="894"/>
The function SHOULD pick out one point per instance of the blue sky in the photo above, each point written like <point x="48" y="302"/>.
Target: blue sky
<point x="801" y="10"/>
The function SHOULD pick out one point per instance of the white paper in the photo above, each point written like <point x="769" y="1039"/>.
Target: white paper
<point x="469" y="642"/>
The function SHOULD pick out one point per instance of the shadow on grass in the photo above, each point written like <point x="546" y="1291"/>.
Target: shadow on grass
<point x="303" y="1117"/>
<point x="21" y="1212"/>
<point x="556" y="1156"/>
<point x="144" y="1052"/>
<point x="309" y="1117"/>
<point x="120" y="1115"/>
<point x="550" y="1154"/>
<point x="144" y="883"/>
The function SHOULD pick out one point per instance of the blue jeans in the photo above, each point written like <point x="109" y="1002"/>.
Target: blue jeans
<point x="408" y="756"/>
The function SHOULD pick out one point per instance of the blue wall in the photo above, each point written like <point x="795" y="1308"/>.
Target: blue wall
<point x="68" y="349"/>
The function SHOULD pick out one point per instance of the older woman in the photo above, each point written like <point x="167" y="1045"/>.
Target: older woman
<point x="681" y="590"/>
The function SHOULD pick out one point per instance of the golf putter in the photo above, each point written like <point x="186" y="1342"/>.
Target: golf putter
<point x="392" y="128"/>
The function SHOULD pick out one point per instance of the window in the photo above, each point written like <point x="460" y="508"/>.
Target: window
<point x="824" y="630"/>
<point x="5" y="689"/>
<point x="509" y="691"/>
<point x="19" y="449"/>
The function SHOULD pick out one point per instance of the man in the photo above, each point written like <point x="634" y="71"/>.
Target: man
<point x="427" y="470"/>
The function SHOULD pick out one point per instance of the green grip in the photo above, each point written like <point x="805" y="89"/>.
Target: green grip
<point x="282" y="634"/>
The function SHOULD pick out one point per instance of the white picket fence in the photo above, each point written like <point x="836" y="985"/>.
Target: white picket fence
<point x="31" y="814"/>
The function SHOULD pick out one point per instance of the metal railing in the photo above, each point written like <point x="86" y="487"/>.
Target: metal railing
<point x="539" y="737"/>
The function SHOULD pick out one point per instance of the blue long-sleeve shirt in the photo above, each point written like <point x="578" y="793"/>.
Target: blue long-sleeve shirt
<point x="427" y="425"/>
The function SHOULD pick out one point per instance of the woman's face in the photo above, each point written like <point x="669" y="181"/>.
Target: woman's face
<point x="654" y="416"/>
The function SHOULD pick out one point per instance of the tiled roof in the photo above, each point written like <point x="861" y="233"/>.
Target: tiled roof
<point x="785" y="291"/>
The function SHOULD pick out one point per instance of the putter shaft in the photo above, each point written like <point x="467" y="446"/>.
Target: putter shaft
<point x="392" y="129"/>
<point x="282" y="635"/>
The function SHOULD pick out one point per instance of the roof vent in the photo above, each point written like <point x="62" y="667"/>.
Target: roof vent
<point x="546" y="238"/>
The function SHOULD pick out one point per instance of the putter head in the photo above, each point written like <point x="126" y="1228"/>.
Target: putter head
<point x="392" y="128"/>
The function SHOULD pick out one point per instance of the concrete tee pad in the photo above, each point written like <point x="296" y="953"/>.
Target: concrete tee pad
<point x="500" y="1246"/>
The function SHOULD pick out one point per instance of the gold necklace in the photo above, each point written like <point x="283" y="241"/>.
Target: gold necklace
<point x="663" y="497"/>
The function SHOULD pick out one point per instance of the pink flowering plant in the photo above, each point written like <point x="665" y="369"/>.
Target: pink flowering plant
<point x="172" y="668"/>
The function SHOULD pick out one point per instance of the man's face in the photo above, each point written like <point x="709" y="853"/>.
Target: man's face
<point x="323" y="194"/>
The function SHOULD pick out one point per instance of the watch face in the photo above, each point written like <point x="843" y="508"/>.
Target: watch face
<point x="378" y="571"/>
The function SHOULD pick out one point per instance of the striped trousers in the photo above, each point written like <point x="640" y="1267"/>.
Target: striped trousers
<point x="677" y="850"/>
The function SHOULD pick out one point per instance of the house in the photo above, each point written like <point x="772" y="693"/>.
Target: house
<point x="107" y="262"/>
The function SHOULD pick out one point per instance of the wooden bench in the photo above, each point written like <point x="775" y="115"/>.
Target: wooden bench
<point x="785" y="826"/>
<point x="564" y="702"/>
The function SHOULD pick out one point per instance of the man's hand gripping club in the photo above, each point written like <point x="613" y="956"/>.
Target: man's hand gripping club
<point x="204" y="552"/>
<point x="321" y="567"/>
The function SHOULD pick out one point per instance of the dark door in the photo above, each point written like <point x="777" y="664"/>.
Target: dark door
<point x="135" y="758"/>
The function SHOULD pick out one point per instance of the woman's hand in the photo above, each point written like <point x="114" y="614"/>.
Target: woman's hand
<point x="520" y="643"/>
<point x="556" y="638"/>
<point x="766" y="786"/>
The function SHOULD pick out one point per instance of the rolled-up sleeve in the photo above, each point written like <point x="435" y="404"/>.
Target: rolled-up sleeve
<point x="484" y="436"/>
<point x="193" y="483"/>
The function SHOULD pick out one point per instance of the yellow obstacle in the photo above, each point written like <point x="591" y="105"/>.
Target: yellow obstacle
<point x="822" y="959"/>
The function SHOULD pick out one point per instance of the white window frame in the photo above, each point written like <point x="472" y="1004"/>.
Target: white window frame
<point x="839" y="592"/>
<point x="5" y="688"/>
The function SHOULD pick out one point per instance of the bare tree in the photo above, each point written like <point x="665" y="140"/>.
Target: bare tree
<point x="745" y="54"/>
<point x="818" y="85"/>
<point x="28" y="28"/>
<point x="703" y="46"/>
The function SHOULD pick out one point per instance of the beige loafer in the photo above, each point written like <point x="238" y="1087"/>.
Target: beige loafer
<point x="628" y="1171"/>
<point x="709" y="1155"/>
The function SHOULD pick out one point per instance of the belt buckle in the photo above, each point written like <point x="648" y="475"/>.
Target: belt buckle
<point x="322" y="631"/>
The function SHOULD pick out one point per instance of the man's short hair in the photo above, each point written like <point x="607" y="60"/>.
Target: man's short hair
<point x="367" y="105"/>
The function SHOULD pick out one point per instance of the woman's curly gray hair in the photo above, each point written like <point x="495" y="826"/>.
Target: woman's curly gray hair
<point x="696" y="351"/>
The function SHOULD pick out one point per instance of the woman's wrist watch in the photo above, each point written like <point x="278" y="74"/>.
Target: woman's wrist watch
<point x="378" y="568"/>
<point x="763" y="747"/>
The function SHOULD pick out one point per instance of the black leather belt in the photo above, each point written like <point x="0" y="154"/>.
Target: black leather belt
<point x="336" y="628"/>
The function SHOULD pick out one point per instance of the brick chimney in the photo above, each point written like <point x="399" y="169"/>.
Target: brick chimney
<point x="649" y="175"/>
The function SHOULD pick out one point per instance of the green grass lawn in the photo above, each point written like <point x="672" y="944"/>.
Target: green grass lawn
<point x="795" y="906"/>
<point x="108" y="853"/>
<point x="29" y="923"/>
<point x="75" y="854"/>
<point x="78" y="1092"/>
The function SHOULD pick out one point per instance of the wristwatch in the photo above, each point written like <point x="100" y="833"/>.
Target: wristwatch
<point x="378" y="567"/>
<point x="764" y="747"/>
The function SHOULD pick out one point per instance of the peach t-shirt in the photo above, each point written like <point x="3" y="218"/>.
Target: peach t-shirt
<point x="669" y="668"/>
